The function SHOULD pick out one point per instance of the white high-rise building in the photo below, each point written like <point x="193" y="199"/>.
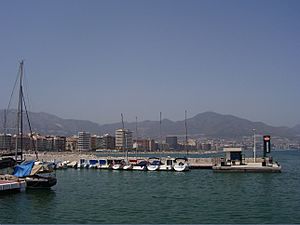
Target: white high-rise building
<point x="84" y="141"/>
<point x="123" y="139"/>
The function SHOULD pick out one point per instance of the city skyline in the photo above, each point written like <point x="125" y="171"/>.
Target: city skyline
<point x="96" y="60"/>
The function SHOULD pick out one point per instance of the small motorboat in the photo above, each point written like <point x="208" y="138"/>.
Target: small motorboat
<point x="103" y="164"/>
<point x="93" y="163"/>
<point x="167" y="165"/>
<point x="117" y="164"/>
<point x="181" y="164"/>
<point x="141" y="165"/>
<point x="72" y="164"/>
<point x="154" y="164"/>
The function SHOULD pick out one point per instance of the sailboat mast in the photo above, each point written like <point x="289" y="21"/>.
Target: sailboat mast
<point x="136" y="132"/>
<point x="124" y="144"/>
<point x="254" y="146"/>
<point x="186" y="138"/>
<point x="21" y="108"/>
<point x="19" y="113"/>
<point x="4" y="128"/>
<point x="160" y="147"/>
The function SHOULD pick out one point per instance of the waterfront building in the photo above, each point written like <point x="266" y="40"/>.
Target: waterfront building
<point x="172" y="142"/>
<point x="94" y="142"/>
<point x="84" y="141"/>
<point x="5" y="141"/>
<point x="144" y="145"/>
<point x="27" y="143"/>
<point x="107" y="142"/>
<point x="40" y="143"/>
<point x="71" y="143"/>
<point x="49" y="143"/>
<point x="60" y="143"/>
<point x="206" y="146"/>
<point x="123" y="139"/>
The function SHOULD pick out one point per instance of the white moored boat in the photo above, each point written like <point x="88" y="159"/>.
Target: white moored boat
<point x="167" y="165"/>
<point x="142" y="165"/>
<point x="127" y="166"/>
<point x="154" y="164"/>
<point x="117" y="164"/>
<point x="181" y="164"/>
<point x="103" y="164"/>
<point x="93" y="163"/>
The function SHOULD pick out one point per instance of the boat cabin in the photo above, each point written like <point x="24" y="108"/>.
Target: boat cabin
<point x="233" y="156"/>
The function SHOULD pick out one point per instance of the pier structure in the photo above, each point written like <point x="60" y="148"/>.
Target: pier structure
<point x="9" y="183"/>
<point x="194" y="162"/>
<point x="234" y="161"/>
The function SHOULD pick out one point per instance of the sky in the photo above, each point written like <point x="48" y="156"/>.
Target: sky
<point x="94" y="59"/>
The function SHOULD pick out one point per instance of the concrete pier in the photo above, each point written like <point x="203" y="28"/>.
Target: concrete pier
<point x="7" y="184"/>
<point x="194" y="163"/>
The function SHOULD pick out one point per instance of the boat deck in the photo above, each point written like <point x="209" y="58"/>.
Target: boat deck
<point x="9" y="185"/>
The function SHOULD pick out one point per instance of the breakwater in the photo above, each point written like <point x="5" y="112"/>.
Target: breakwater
<point x="195" y="162"/>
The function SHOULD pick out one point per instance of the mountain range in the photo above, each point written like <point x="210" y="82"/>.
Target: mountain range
<point x="209" y="124"/>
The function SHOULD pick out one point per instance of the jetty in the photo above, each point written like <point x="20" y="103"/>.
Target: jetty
<point x="212" y="163"/>
<point x="235" y="162"/>
<point x="9" y="183"/>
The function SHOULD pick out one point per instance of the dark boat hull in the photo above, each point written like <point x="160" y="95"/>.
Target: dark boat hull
<point x="7" y="162"/>
<point x="40" y="182"/>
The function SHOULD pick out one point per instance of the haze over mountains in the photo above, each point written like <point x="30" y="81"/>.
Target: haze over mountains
<point x="209" y="124"/>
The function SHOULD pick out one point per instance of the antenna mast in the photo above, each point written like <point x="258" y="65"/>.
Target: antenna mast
<point x="124" y="144"/>
<point x="137" y="136"/>
<point x="186" y="137"/>
<point x="4" y="128"/>
<point x="161" y="148"/>
<point x="254" y="146"/>
<point x="20" y="114"/>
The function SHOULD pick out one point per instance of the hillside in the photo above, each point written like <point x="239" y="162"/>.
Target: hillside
<point x="208" y="123"/>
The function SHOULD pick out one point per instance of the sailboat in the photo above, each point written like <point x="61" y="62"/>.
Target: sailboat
<point x="126" y="165"/>
<point x="167" y="164"/>
<point x="181" y="164"/>
<point x="35" y="175"/>
<point x="119" y="164"/>
<point x="138" y="164"/>
<point x="154" y="164"/>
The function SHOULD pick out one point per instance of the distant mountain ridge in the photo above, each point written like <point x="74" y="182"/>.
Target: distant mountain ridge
<point x="45" y="123"/>
<point x="210" y="124"/>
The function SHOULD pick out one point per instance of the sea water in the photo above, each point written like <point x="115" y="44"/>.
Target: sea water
<point x="198" y="196"/>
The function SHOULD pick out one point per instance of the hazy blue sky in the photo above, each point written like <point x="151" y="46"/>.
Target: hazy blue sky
<point x="95" y="59"/>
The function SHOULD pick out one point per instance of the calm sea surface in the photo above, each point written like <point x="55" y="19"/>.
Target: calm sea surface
<point x="198" y="196"/>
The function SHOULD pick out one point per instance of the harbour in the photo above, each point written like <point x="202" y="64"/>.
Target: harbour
<point x="199" y="196"/>
<point x="150" y="112"/>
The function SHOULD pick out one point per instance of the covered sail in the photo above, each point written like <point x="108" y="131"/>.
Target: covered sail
<point x="23" y="169"/>
<point x="38" y="169"/>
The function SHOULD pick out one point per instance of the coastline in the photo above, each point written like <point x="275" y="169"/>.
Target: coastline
<point x="76" y="156"/>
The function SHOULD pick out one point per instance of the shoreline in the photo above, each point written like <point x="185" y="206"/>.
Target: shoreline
<point x="76" y="156"/>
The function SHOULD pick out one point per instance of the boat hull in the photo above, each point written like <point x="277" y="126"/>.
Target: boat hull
<point x="152" y="167"/>
<point x="127" y="167"/>
<point x="139" y="168"/>
<point x="117" y="167"/>
<point x="181" y="168"/>
<point x="165" y="168"/>
<point x="40" y="182"/>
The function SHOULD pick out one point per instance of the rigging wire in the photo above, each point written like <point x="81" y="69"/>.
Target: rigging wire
<point x="26" y="86"/>
<point x="13" y="91"/>
<point x="30" y="129"/>
<point x="11" y="98"/>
